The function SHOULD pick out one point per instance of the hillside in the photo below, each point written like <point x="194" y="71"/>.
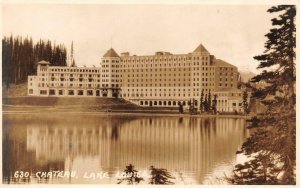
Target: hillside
<point x="246" y="76"/>
<point x="19" y="90"/>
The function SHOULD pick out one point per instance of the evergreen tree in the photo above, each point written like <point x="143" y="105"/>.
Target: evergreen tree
<point x="180" y="108"/>
<point x="160" y="176"/>
<point x="272" y="146"/>
<point x="201" y="101"/>
<point x="209" y="101"/>
<point x="19" y="57"/>
<point x="132" y="176"/>
<point x="214" y="104"/>
<point x="205" y="103"/>
<point x="245" y="101"/>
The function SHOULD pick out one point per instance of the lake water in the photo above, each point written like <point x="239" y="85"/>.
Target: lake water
<point x="194" y="150"/>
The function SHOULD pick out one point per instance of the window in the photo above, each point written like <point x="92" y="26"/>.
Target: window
<point x="89" y="92"/>
<point x="71" y="92"/>
<point x="43" y="92"/>
<point x="80" y="92"/>
<point x="51" y="92"/>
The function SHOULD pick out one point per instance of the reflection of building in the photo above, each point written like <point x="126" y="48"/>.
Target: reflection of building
<point x="184" y="144"/>
<point x="163" y="79"/>
<point x="187" y="145"/>
<point x="56" y="142"/>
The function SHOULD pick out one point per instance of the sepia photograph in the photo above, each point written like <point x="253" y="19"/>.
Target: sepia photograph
<point x="130" y="93"/>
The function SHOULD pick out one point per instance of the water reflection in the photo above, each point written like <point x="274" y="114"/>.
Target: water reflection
<point x="188" y="147"/>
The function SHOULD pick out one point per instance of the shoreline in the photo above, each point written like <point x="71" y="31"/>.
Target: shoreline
<point x="154" y="112"/>
<point x="95" y="106"/>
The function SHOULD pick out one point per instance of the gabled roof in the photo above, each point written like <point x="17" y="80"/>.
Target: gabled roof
<point x="200" y="49"/>
<point x="111" y="53"/>
<point x="221" y="63"/>
<point x="43" y="62"/>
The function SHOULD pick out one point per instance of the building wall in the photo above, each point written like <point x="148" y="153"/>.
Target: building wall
<point x="110" y="75"/>
<point x="162" y="79"/>
<point x="230" y="101"/>
<point x="226" y="78"/>
<point x="33" y="85"/>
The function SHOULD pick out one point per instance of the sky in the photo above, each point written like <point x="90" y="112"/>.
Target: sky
<point x="233" y="33"/>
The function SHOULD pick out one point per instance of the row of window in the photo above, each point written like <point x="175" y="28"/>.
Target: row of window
<point x="111" y="75"/>
<point x="166" y="103"/>
<point x="126" y="66"/>
<point x="70" y="92"/>
<point x="72" y="85"/>
<point x="174" y="89"/>
<point x="112" y="80"/>
<point x="228" y="94"/>
<point x="220" y="103"/>
<point x="153" y="58"/>
<point x="226" y="79"/>
<point x="174" y="64"/>
<point x="160" y="95"/>
<point x="73" y="80"/>
<point x="75" y="85"/>
<point x="131" y="80"/>
<point x="225" y="85"/>
<point x="107" y="61"/>
<point x="170" y="85"/>
<point x="165" y="90"/>
<point x="73" y="70"/>
<point x="74" y="75"/>
<point x="142" y="85"/>
<point x="164" y="70"/>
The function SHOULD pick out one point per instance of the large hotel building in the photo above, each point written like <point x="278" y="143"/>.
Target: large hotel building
<point x="162" y="79"/>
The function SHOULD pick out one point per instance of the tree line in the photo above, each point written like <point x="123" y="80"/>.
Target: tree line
<point x="208" y="103"/>
<point x="271" y="148"/>
<point x="20" y="55"/>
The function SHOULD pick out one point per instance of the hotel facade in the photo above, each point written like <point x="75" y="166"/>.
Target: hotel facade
<point x="162" y="79"/>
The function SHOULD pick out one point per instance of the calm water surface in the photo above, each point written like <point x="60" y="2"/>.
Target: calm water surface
<point x="194" y="150"/>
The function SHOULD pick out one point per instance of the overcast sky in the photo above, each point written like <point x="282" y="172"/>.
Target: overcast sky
<point x="234" y="33"/>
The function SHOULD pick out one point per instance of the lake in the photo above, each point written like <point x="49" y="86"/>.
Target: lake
<point x="95" y="148"/>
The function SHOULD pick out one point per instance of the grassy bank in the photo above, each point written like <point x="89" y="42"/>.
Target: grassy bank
<point x="99" y="106"/>
<point x="19" y="90"/>
<point x="15" y="100"/>
<point x="77" y="104"/>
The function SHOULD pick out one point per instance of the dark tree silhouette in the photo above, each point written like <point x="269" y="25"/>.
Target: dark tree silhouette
<point x="214" y="104"/>
<point x="205" y="104"/>
<point x="245" y="102"/>
<point x="132" y="176"/>
<point x="180" y="108"/>
<point x="272" y="146"/>
<point x="160" y="176"/>
<point x="19" y="57"/>
<point x="202" y="101"/>
<point x="209" y="101"/>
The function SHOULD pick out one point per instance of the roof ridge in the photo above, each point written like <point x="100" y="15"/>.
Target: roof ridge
<point x="200" y="49"/>
<point x="220" y="62"/>
<point x="111" y="53"/>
